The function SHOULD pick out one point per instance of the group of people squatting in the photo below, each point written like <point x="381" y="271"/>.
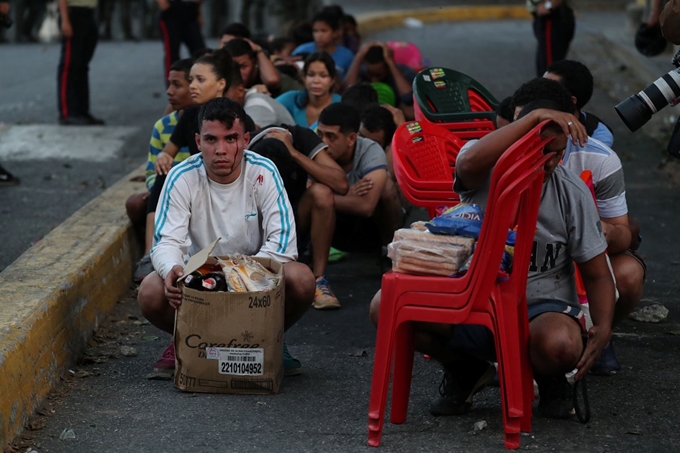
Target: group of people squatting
<point x="282" y="150"/>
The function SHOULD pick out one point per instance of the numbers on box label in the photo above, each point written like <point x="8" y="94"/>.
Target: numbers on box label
<point x="259" y="302"/>
<point x="241" y="362"/>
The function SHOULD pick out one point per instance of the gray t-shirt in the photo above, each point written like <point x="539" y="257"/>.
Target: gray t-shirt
<point x="568" y="230"/>
<point x="368" y="157"/>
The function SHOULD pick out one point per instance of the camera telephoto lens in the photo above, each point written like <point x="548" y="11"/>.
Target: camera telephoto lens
<point x="639" y="108"/>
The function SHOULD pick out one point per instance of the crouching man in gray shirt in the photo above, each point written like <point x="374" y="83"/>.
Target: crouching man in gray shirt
<point x="568" y="231"/>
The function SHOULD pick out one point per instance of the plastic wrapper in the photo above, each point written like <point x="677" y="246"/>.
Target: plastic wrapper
<point x="244" y="274"/>
<point x="421" y="252"/>
<point x="464" y="219"/>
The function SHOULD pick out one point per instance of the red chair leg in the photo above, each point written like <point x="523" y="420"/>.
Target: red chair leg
<point x="403" y="372"/>
<point x="382" y="364"/>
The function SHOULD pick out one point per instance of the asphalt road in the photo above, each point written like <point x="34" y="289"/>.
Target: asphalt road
<point x="326" y="408"/>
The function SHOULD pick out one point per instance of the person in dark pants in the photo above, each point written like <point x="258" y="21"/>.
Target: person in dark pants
<point x="554" y="26"/>
<point x="29" y="15"/>
<point x="79" y="40"/>
<point x="180" y="22"/>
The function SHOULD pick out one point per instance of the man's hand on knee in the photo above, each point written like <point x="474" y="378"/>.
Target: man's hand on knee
<point x="598" y="337"/>
<point x="172" y="292"/>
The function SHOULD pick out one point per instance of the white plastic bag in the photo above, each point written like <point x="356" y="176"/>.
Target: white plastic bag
<point x="49" y="30"/>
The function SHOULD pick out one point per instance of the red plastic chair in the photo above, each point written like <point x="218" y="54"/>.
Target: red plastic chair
<point x="475" y="298"/>
<point x="424" y="157"/>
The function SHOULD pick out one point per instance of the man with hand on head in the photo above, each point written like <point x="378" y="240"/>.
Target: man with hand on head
<point x="224" y="192"/>
<point x="568" y="230"/>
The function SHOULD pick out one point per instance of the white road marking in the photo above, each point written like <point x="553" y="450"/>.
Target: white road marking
<point x="47" y="141"/>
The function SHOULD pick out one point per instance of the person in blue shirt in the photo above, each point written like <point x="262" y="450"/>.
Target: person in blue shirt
<point x="306" y="105"/>
<point x="326" y="30"/>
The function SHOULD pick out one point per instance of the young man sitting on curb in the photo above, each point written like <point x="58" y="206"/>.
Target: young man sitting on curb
<point x="223" y="192"/>
<point x="568" y="230"/>
<point x="179" y="98"/>
<point x="373" y="199"/>
<point x="610" y="194"/>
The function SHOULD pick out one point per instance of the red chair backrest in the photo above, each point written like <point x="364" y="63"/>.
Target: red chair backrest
<point x="424" y="152"/>
<point x="514" y="197"/>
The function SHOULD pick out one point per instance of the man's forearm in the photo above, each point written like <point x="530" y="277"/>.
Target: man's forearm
<point x="403" y="87"/>
<point x="599" y="284"/>
<point x="618" y="238"/>
<point x="268" y="72"/>
<point x="355" y="205"/>
<point x="331" y="177"/>
<point x="63" y="10"/>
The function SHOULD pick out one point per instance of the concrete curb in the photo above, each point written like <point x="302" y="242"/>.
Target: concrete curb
<point x="55" y="295"/>
<point x="372" y="22"/>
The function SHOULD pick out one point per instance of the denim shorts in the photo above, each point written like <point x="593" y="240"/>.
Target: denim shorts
<point x="478" y="340"/>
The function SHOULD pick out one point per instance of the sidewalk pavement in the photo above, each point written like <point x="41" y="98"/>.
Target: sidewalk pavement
<point x="326" y="408"/>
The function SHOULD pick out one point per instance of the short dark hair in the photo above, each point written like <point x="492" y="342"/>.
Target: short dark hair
<point x="235" y="29"/>
<point x="543" y="104"/>
<point x="201" y="52"/>
<point x="376" y="118"/>
<point x="504" y="109"/>
<point x="302" y="33"/>
<point x="576" y="77"/>
<point x="360" y="95"/>
<point x="238" y="47"/>
<point x="342" y="115"/>
<point x="539" y="89"/>
<point x="184" y="65"/>
<point x="348" y="19"/>
<point x="329" y="17"/>
<point x="223" y="110"/>
<point x="374" y="54"/>
<point x="278" y="44"/>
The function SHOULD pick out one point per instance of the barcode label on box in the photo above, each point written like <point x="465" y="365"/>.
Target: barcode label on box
<point x="241" y="362"/>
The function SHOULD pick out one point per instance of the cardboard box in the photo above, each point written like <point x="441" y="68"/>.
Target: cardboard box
<point x="228" y="342"/>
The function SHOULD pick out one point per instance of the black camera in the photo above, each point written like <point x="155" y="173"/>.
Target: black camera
<point x="5" y="21"/>
<point x="639" y="108"/>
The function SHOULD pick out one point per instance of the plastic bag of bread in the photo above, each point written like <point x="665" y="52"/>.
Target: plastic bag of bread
<point x="244" y="274"/>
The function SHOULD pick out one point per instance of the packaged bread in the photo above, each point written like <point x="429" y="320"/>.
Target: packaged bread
<point x="244" y="274"/>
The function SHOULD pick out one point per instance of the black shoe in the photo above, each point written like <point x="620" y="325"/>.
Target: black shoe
<point x="8" y="179"/>
<point x="606" y="365"/>
<point x="94" y="121"/>
<point x="556" y="396"/>
<point x="462" y="380"/>
<point x="75" y="121"/>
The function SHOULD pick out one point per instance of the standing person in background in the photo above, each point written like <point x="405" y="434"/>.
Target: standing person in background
<point x="554" y="26"/>
<point x="180" y="22"/>
<point x="78" y="42"/>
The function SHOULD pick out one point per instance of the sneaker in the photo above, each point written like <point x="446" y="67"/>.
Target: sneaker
<point x="606" y="365"/>
<point x="291" y="365"/>
<point x="8" y="179"/>
<point x="336" y="255"/>
<point x="167" y="361"/>
<point x="75" y="121"/>
<point x="144" y="268"/>
<point x="324" y="299"/>
<point x="459" y="386"/>
<point x="555" y="396"/>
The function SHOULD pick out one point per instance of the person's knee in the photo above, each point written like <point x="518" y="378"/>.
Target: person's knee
<point x="322" y="196"/>
<point x="135" y="206"/>
<point x="151" y="295"/>
<point x="389" y="193"/>
<point x="555" y="348"/>
<point x="629" y="276"/>
<point x="300" y="282"/>
<point x="374" y="310"/>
